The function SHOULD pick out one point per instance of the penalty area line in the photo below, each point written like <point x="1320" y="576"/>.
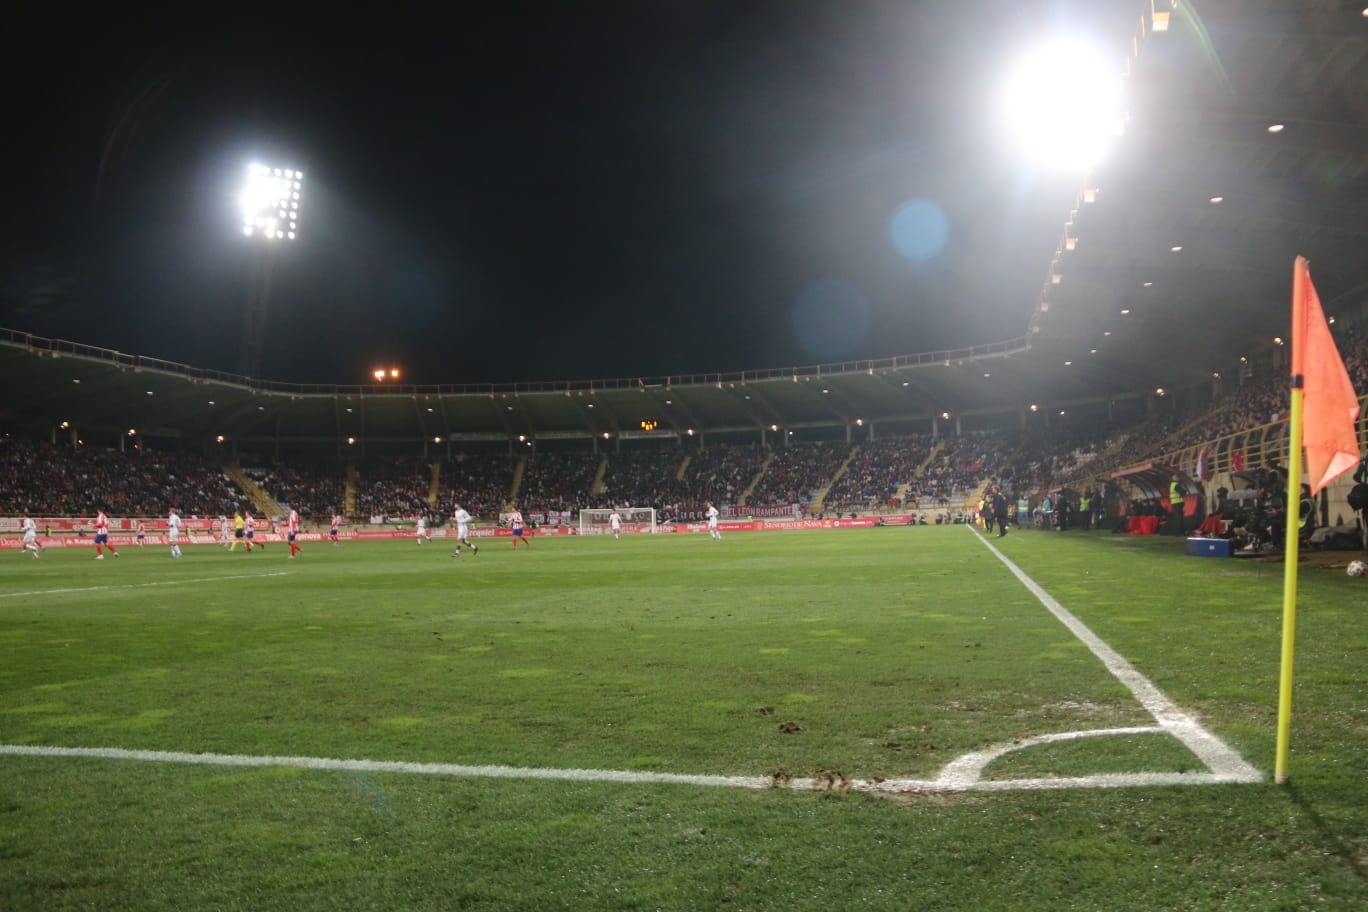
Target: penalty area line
<point x="179" y="582"/>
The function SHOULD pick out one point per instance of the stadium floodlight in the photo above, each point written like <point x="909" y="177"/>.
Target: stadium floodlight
<point x="1062" y="104"/>
<point x="270" y="202"/>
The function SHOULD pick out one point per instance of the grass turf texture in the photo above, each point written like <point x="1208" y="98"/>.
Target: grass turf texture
<point x="892" y="650"/>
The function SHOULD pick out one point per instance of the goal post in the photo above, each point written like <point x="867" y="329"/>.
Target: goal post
<point x="635" y="520"/>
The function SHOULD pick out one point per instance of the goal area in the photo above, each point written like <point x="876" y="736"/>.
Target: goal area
<point x="636" y="520"/>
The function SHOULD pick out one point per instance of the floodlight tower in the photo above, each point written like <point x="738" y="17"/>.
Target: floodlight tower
<point x="270" y="217"/>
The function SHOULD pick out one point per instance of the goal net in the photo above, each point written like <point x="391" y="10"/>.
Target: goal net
<point x="634" y="520"/>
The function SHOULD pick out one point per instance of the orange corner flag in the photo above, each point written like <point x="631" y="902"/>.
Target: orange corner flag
<point x="1331" y="407"/>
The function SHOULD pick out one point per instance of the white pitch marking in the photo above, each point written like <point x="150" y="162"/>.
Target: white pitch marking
<point x="1123" y="780"/>
<point x="205" y="579"/>
<point x="1219" y="757"/>
<point x="960" y="775"/>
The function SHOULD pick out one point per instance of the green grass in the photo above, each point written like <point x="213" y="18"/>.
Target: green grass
<point x="893" y="651"/>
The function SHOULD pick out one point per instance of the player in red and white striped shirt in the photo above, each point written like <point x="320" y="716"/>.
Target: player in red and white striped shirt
<point x="102" y="536"/>
<point x="292" y="526"/>
<point x="515" y="521"/>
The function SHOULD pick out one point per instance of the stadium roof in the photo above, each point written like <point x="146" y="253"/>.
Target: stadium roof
<point x="1246" y="144"/>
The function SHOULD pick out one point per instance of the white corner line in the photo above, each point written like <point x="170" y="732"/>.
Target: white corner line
<point x="836" y="782"/>
<point x="1223" y="761"/>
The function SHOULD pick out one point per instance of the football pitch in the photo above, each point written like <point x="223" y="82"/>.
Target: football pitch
<point x="886" y="718"/>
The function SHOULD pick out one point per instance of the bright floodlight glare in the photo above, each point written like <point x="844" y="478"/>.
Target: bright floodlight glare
<point x="1062" y="104"/>
<point x="270" y="202"/>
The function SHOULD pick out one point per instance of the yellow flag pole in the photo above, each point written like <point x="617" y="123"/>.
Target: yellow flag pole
<point x="1292" y="548"/>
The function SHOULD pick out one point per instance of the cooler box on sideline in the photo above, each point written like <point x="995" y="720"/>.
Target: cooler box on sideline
<point x="1210" y="547"/>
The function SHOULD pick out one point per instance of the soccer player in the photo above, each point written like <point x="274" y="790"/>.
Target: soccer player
<point x="515" y="521"/>
<point x="239" y="530"/>
<point x="615" y="523"/>
<point x="140" y="538"/>
<point x="225" y="538"/>
<point x="173" y="527"/>
<point x="712" y="514"/>
<point x="420" y="529"/>
<point x="462" y="520"/>
<point x="30" y="530"/>
<point x="102" y="536"/>
<point x="292" y="526"/>
<point x="249" y="525"/>
<point x="332" y="533"/>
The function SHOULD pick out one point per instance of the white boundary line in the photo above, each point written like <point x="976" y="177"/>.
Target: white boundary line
<point x="1223" y="761"/>
<point x="178" y="582"/>
<point x="963" y="774"/>
<point x="953" y="778"/>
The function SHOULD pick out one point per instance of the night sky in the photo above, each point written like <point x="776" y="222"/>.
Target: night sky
<point x="533" y="191"/>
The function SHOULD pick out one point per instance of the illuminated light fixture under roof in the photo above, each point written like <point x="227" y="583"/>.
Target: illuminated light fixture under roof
<point x="1217" y="199"/>
<point x="1147" y="284"/>
<point x="270" y="202"/>
<point x="1034" y="407"/>
<point x="1176" y="248"/>
<point x="1106" y="332"/>
<point x="1276" y="128"/>
<point x="1089" y="194"/>
<point x="1056" y="278"/>
<point x="1125" y="311"/>
<point x="1092" y="351"/>
<point x="1070" y="242"/>
<point x="1159" y="18"/>
<point x="1068" y="364"/>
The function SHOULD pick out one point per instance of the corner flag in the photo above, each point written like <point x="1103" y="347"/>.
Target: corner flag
<point x="1331" y="406"/>
<point x="1322" y="390"/>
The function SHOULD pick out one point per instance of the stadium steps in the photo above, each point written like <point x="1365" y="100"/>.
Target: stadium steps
<point x="596" y="487"/>
<point x="935" y="451"/>
<point x="755" y="482"/>
<point x="819" y="500"/>
<point x="262" y="502"/>
<point x="517" y="479"/>
<point x="683" y="467"/>
<point x="434" y="485"/>
<point x="349" y="490"/>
